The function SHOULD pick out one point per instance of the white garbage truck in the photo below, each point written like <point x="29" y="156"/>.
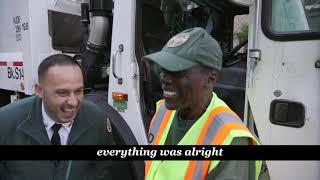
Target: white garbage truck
<point x="270" y="76"/>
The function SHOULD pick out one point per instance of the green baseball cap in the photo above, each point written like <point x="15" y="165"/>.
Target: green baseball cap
<point x="187" y="49"/>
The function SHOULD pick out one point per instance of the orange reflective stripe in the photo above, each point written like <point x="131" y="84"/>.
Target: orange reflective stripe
<point x="192" y="164"/>
<point x="225" y="130"/>
<point x="190" y="170"/>
<point x="159" y="134"/>
<point x="220" y="137"/>
<point x="213" y="113"/>
<point x="148" y="164"/>
<point x="205" y="168"/>
<point x="155" y="114"/>
<point x="162" y="126"/>
<point x="252" y="142"/>
<point x="206" y="164"/>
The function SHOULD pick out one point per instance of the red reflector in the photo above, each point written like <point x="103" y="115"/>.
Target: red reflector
<point x="3" y="63"/>
<point x="17" y="63"/>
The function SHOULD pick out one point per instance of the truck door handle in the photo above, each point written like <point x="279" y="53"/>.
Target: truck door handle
<point x="120" y="49"/>
<point x="317" y="64"/>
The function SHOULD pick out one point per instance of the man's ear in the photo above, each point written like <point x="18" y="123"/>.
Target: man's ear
<point x="39" y="90"/>
<point x="212" y="78"/>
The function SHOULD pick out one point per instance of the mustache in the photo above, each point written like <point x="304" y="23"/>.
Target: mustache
<point x="168" y="88"/>
<point x="68" y="106"/>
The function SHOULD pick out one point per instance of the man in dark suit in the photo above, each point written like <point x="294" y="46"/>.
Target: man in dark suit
<point x="58" y="115"/>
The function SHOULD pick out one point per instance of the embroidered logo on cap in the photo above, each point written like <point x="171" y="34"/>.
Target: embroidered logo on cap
<point x="178" y="40"/>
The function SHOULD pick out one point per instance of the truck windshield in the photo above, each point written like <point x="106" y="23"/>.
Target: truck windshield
<point x="295" y="15"/>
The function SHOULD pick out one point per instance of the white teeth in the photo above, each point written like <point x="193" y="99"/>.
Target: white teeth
<point x="169" y="93"/>
<point x="69" y="110"/>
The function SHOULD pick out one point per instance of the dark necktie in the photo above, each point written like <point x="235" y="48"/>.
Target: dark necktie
<point x="55" y="140"/>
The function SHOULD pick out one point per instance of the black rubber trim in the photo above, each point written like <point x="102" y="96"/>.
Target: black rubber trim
<point x="101" y="7"/>
<point x="287" y="36"/>
<point x="95" y="48"/>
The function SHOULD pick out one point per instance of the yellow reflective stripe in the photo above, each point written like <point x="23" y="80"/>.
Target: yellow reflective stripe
<point x="150" y="175"/>
<point x="258" y="169"/>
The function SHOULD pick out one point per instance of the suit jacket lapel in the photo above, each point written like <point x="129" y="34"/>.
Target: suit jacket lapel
<point x="80" y="126"/>
<point x="33" y="125"/>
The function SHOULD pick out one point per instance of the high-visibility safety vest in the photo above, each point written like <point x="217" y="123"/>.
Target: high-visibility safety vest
<point x="217" y="126"/>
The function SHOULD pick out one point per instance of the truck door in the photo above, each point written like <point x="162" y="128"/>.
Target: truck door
<point x="283" y="80"/>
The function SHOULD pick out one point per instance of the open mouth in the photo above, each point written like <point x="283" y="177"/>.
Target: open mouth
<point x="68" y="113"/>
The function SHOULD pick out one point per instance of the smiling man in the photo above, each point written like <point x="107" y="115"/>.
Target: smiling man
<point x="58" y="115"/>
<point x="191" y="114"/>
<point x="61" y="90"/>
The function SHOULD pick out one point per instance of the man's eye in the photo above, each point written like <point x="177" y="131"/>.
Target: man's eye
<point x="79" y="91"/>
<point x="62" y="93"/>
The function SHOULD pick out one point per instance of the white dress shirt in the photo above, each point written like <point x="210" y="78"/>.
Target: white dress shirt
<point x="63" y="131"/>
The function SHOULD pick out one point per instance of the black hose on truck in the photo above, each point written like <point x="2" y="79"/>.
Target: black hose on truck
<point x="95" y="51"/>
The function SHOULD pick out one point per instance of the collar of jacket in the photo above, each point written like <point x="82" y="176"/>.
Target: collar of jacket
<point x="33" y="125"/>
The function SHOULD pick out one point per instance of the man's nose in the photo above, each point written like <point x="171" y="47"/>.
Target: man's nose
<point x="73" y="100"/>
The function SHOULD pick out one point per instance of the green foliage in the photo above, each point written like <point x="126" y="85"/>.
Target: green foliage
<point x="242" y="34"/>
<point x="309" y="2"/>
<point x="179" y="21"/>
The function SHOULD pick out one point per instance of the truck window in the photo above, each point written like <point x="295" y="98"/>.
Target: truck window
<point x="291" y="20"/>
<point x="67" y="33"/>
